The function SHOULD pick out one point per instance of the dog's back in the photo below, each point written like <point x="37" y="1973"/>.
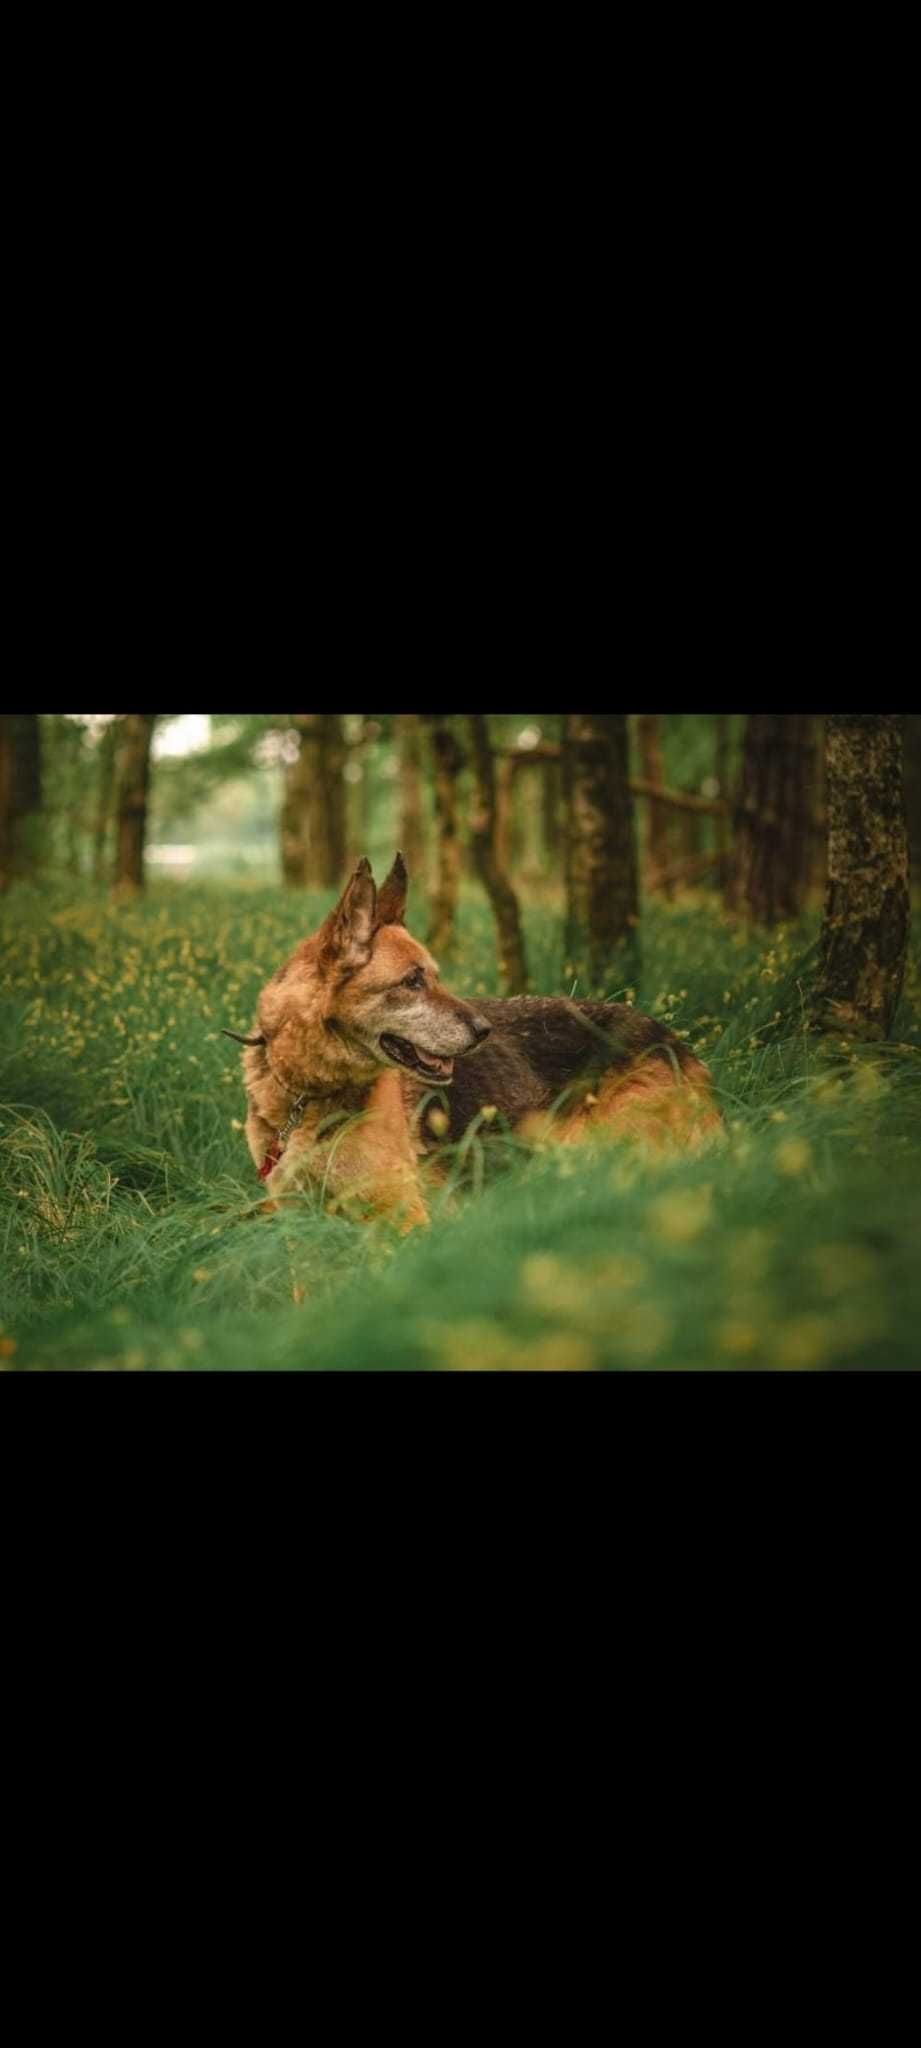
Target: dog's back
<point x="596" y="1062"/>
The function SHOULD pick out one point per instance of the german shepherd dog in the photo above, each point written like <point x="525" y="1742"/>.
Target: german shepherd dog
<point x="355" y="1039"/>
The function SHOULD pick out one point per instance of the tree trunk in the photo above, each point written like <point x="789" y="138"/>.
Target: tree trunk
<point x="6" y="800"/>
<point x="20" y="794"/>
<point x="721" y="769"/>
<point x="132" y="777"/>
<point x="655" y="847"/>
<point x="483" y="826"/>
<point x="911" y="747"/>
<point x="447" y="762"/>
<point x="601" y="866"/>
<point x="818" y="818"/>
<point x="313" y="816"/>
<point x="865" y="929"/>
<point x="105" y="786"/>
<point x="296" y="818"/>
<point x="769" y="868"/>
<point x="412" y="817"/>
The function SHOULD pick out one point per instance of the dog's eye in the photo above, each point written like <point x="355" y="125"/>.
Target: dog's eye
<point x="416" y="979"/>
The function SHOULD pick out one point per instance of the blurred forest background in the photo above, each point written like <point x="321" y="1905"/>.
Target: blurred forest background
<point x="591" y="809"/>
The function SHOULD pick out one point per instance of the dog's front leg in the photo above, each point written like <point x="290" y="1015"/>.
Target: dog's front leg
<point x="373" y="1169"/>
<point x="392" y="1196"/>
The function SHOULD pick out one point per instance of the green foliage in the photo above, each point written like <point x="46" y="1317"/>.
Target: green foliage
<point x="183" y="784"/>
<point x="129" y="1222"/>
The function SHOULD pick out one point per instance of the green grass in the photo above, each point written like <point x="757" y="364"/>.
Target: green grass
<point x="129" y="1230"/>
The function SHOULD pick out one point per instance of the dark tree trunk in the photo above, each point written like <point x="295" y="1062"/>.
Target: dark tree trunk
<point x="721" y="768"/>
<point x="484" y="837"/>
<point x="132" y="776"/>
<point x="20" y="794"/>
<point x="105" y="788"/>
<point x="6" y="800"/>
<point x="448" y="761"/>
<point x="818" y="818"/>
<point x="911" y="747"/>
<point x="313" y="816"/>
<point x="601" y="866"/>
<point x="769" y="868"/>
<point x="411" y="831"/>
<point x="865" y="929"/>
<point x="296" y="819"/>
<point x="655" y="838"/>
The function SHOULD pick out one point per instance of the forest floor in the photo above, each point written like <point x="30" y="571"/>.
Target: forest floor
<point x="130" y="1236"/>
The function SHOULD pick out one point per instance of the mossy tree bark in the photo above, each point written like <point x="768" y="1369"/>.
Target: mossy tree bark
<point x="20" y="794"/>
<point x="601" y="864"/>
<point x="865" y="929"/>
<point x="313" y="812"/>
<point x="132" y="782"/>
<point x="447" y="762"/>
<point x="768" y="872"/>
<point x="818" y="817"/>
<point x="484" y="841"/>
<point x="911" y="748"/>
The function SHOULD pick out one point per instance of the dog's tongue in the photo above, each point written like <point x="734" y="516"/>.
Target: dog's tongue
<point x="427" y="1062"/>
<point x="433" y="1065"/>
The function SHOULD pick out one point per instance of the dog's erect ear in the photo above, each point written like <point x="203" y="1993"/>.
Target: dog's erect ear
<point x="349" y="929"/>
<point x="391" y="897"/>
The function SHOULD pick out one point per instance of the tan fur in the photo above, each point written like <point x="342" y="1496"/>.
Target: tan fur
<point x="338" y="1022"/>
<point x="366" y="1165"/>
<point x="648" y="1105"/>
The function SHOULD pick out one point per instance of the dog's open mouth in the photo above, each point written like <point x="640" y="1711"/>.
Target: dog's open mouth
<point x="427" y="1064"/>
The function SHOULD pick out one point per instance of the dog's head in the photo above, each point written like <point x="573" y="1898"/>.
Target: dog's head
<point x="377" y="989"/>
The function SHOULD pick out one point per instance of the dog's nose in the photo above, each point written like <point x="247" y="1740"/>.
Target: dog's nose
<point x="481" y="1028"/>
